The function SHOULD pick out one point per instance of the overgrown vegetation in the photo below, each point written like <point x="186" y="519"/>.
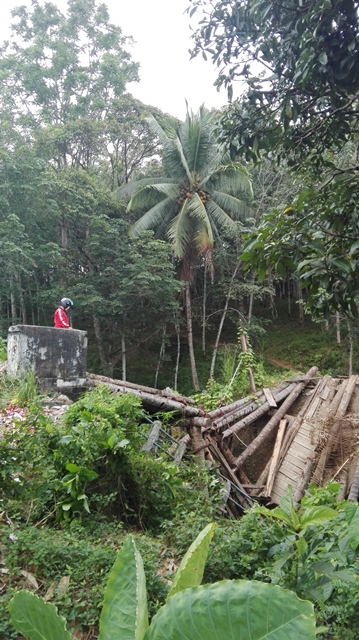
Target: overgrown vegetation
<point x="72" y="489"/>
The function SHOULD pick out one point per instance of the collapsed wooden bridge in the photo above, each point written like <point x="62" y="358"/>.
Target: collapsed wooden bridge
<point x="305" y="430"/>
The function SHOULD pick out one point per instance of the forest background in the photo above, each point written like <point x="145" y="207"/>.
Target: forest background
<point x="72" y="138"/>
<point x="175" y="239"/>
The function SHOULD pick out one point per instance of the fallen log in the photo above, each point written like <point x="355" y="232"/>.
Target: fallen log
<point x="354" y="489"/>
<point x="154" y="401"/>
<point x="261" y="411"/>
<point x="275" y="457"/>
<point x="137" y="387"/>
<point x="246" y="406"/>
<point x="274" y="421"/>
<point x="343" y="480"/>
<point x="222" y="411"/>
<point x="244" y="497"/>
<point x="336" y="411"/>
<point x="198" y="443"/>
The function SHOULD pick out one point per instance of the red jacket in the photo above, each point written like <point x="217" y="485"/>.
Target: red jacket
<point x="61" y="320"/>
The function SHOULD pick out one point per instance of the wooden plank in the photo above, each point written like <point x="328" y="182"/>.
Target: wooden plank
<point x="282" y="486"/>
<point x="312" y="409"/>
<point x="281" y="489"/>
<point x="299" y="449"/>
<point x="153" y="436"/>
<point x="293" y="467"/>
<point x="180" y="452"/>
<point x="325" y="393"/>
<point x="296" y="458"/>
<point x="269" y="397"/>
<point x="306" y="440"/>
<point x="275" y="457"/>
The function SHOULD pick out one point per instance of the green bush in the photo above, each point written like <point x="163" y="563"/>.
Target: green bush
<point x="86" y="555"/>
<point x="91" y="461"/>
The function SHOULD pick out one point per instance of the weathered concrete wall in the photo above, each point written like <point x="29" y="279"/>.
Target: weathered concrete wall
<point x="56" y="356"/>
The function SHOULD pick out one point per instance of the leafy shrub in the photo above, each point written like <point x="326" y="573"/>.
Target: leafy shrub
<point x="85" y="557"/>
<point x="90" y="461"/>
<point x="238" y="604"/>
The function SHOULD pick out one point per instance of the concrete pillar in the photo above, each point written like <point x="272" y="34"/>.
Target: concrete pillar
<point x="56" y="356"/>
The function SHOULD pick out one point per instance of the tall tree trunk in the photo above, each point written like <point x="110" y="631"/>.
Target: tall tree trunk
<point x="289" y="300"/>
<point x="215" y="350"/>
<point x="12" y="300"/>
<point x="190" y="338"/>
<point x="162" y="353"/>
<point x="64" y="232"/>
<point x="177" y="327"/>
<point x="123" y="354"/>
<point x="337" y="327"/>
<point x="350" y="338"/>
<point x="98" y="335"/>
<point x="300" y="303"/>
<point x="22" y="301"/>
<point x="204" y="310"/>
<point x="250" y="305"/>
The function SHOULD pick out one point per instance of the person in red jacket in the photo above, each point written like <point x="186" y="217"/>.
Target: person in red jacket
<point x="61" y="320"/>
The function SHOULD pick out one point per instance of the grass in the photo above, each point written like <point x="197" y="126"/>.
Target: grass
<point x="284" y="348"/>
<point x="303" y="346"/>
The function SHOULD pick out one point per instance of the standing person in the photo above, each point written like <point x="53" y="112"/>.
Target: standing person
<point x="61" y="320"/>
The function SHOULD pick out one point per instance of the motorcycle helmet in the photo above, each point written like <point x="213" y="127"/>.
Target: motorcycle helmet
<point x="66" y="303"/>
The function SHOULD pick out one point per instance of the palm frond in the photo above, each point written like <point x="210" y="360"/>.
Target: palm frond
<point x="128" y="189"/>
<point x="219" y="217"/>
<point x="196" y="135"/>
<point x="141" y="197"/>
<point x="182" y="156"/>
<point x="154" y="217"/>
<point x="202" y="223"/>
<point x="164" y="135"/>
<point x="179" y="231"/>
<point x="234" y="207"/>
<point x="229" y="178"/>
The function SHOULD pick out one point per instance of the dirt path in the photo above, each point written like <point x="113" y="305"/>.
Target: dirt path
<point x="282" y="363"/>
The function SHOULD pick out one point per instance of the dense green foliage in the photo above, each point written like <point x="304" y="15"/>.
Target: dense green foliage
<point x="72" y="489"/>
<point x="91" y="461"/>
<point x="233" y="604"/>
<point x="299" y="62"/>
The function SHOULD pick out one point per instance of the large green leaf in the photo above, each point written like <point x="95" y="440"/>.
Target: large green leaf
<point x="36" y="619"/>
<point x="190" y="572"/>
<point x="313" y="516"/>
<point x="124" y="614"/>
<point x="234" y="610"/>
<point x="352" y="515"/>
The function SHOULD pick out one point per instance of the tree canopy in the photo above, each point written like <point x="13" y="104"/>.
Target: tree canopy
<point x="299" y="62"/>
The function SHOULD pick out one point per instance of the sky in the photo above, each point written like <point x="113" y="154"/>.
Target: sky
<point x="162" y="34"/>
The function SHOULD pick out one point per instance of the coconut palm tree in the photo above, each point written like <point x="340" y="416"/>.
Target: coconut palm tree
<point x="196" y="196"/>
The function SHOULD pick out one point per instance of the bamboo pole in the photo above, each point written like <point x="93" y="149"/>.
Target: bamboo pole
<point x="250" y="407"/>
<point x="153" y="400"/>
<point x="336" y="411"/>
<point x="275" y="457"/>
<point x="273" y="422"/>
<point x="137" y="387"/>
<point x="261" y="411"/>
